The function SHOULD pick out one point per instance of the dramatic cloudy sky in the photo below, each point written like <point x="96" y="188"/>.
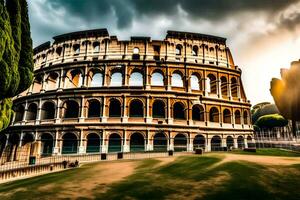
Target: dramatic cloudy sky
<point x="264" y="35"/>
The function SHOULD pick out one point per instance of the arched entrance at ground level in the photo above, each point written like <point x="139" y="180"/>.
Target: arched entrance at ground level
<point x="229" y="142"/>
<point x="2" y="144"/>
<point x="114" y="143"/>
<point x="14" y="141"/>
<point x="216" y="143"/>
<point x="249" y="142"/>
<point x="47" y="144"/>
<point x="70" y="143"/>
<point x="240" y="141"/>
<point x="93" y="143"/>
<point x="27" y="146"/>
<point x="180" y="142"/>
<point x="160" y="142"/>
<point x="137" y="142"/>
<point x="199" y="142"/>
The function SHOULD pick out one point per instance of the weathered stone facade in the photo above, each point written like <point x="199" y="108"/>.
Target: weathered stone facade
<point x="94" y="93"/>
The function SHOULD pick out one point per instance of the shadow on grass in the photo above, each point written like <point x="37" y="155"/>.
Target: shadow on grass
<point x="270" y="152"/>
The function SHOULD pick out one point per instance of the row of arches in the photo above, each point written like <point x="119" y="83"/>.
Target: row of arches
<point x="71" y="109"/>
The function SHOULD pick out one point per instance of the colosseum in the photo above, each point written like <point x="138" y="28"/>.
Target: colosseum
<point x="93" y="93"/>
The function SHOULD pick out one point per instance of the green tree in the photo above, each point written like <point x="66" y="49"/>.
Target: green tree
<point x="271" y="121"/>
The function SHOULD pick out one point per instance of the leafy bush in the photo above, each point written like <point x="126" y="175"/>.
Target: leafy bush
<point x="271" y="121"/>
<point x="265" y="109"/>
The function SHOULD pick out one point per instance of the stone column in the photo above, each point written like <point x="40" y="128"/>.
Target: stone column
<point x="125" y="116"/>
<point x="104" y="110"/>
<point x="56" y="149"/>
<point x="170" y="119"/>
<point x="147" y="84"/>
<point x="125" y="147"/>
<point x="223" y="142"/>
<point x="81" y="117"/>
<point x="246" y="142"/>
<point x="219" y="88"/>
<point x="171" y="143"/>
<point x="126" y="79"/>
<point x="81" y="149"/>
<point x="60" y="80"/>
<point x="148" y="117"/>
<point x="25" y="113"/>
<point x="105" y="76"/>
<point x="190" y="146"/>
<point x="235" y="144"/>
<point x="43" y="84"/>
<point x="58" y="110"/>
<point x="104" y="148"/>
<point x="149" y="146"/>
<point x="39" y="113"/>
<point x="206" y="84"/>
<point x="208" y="144"/>
<point x="229" y="90"/>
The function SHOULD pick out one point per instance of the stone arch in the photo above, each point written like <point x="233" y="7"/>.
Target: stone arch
<point x="178" y="49"/>
<point x="195" y="81"/>
<point x="198" y="113"/>
<point x="250" y="143"/>
<point x="157" y="78"/>
<point x="116" y="78"/>
<point x="37" y="83"/>
<point x="158" y="109"/>
<point x="212" y="84"/>
<point x="47" y="143"/>
<point x="14" y="140"/>
<point x="245" y="117"/>
<point x="94" y="108"/>
<point x="179" y="111"/>
<point x="20" y="111"/>
<point x="195" y="50"/>
<point x="115" y="109"/>
<point x="136" y="108"/>
<point x="214" y="115"/>
<point x="241" y="142"/>
<point x="199" y="141"/>
<point x="224" y="86"/>
<point x="95" y="78"/>
<point x="93" y="143"/>
<point x="114" y="142"/>
<point x="180" y="142"/>
<point x="226" y="116"/>
<point x="52" y="81"/>
<point x="96" y="47"/>
<point x="32" y="111"/>
<point x="160" y="142"/>
<point x="136" y="79"/>
<point x="234" y="87"/>
<point x="69" y="143"/>
<point x="216" y="142"/>
<point x="48" y="110"/>
<point x="70" y="109"/>
<point x="137" y="142"/>
<point x="74" y="78"/>
<point x="237" y="117"/>
<point x="229" y="142"/>
<point x="76" y="48"/>
<point x="27" y="138"/>
<point x="177" y="79"/>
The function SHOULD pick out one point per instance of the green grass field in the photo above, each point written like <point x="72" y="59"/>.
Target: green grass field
<point x="187" y="177"/>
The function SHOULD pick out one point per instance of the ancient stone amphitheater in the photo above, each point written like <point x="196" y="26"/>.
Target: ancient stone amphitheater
<point x="93" y="93"/>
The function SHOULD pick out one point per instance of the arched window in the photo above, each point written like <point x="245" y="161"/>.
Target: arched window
<point x="237" y="117"/>
<point x="116" y="79"/>
<point x="177" y="80"/>
<point x="245" y="115"/>
<point x="214" y="115"/>
<point x="226" y="116"/>
<point x="97" y="80"/>
<point x="58" y="50"/>
<point x="216" y="143"/>
<point x="199" y="142"/>
<point x="160" y="142"/>
<point x="47" y="144"/>
<point x="229" y="142"/>
<point x="27" y="138"/>
<point x="195" y="84"/>
<point x="178" y="111"/>
<point x="137" y="142"/>
<point x="136" y="79"/>
<point x="76" y="48"/>
<point x="157" y="79"/>
<point x="96" y="46"/>
<point x="71" y="109"/>
<point x="240" y="141"/>
<point x="136" y="108"/>
<point x="136" y="53"/>
<point x="48" y="110"/>
<point x="31" y="112"/>
<point x="212" y="84"/>
<point x="224" y="89"/>
<point x="52" y="81"/>
<point x="195" y="51"/>
<point x="114" y="143"/>
<point x="158" y="109"/>
<point x="94" y="108"/>
<point x="93" y="143"/>
<point x="180" y="142"/>
<point x="234" y="87"/>
<point x="70" y="143"/>
<point x="114" y="108"/>
<point x="136" y="50"/>
<point x="178" y="49"/>
<point x="75" y="79"/>
<point x="19" y="113"/>
<point x="198" y="113"/>
<point x="37" y="84"/>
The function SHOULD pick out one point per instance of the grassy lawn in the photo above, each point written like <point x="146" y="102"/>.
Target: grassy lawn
<point x="270" y="152"/>
<point x="188" y="177"/>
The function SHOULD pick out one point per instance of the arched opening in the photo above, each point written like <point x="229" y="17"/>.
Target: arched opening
<point x="37" y="84"/>
<point x="229" y="142"/>
<point x="197" y="113"/>
<point x="47" y="144"/>
<point x="160" y="142"/>
<point x="59" y="50"/>
<point x="158" y="109"/>
<point x="114" y="108"/>
<point x="214" y="115"/>
<point x="97" y="80"/>
<point x="195" y="83"/>
<point x="178" y="111"/>
<point x="71" y="109"/>
<point x="240" y="141"/>
<point x="96" y="47"/>
<point x="94" y="108"/>
<point x="20" y="110"/>
<point x="76" y="49"/>
<point x="48" y="111"/>
<point x="234" y="87"/>
<point x="74" y="79"/>
<point x="136" y="79"/>
<point x="250" y="143"/>
<point x="216" y="143"/>
<point x="157" y="79"/>
<point x="224" y="86"/>
<point x="226" y="116"/>
<point x="178" y="50"/>
<point x="237" y="117"/>
<point x="2" y="144"/>
<point x="136" y="53"/>
<point x="195" y="51"/>
<point x="180" y="142"/>
<point x="70" y="143"/>
<point x="212" y="84"/>
<point x="31" y="112"/>
<point x="116" y="79"/>
<point x="245" y="115"/>
<point x="137" y="142"/>
<point x="52" y="81"/>
<point x="136" y="108"/>
<point x="14" y="140"/>
<point x="114" y="143"/>
<point x="176" y="80"/>
<point x="199" y="142"/>
<point x="27" y="144"/>
<point x="93" y="143"/>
